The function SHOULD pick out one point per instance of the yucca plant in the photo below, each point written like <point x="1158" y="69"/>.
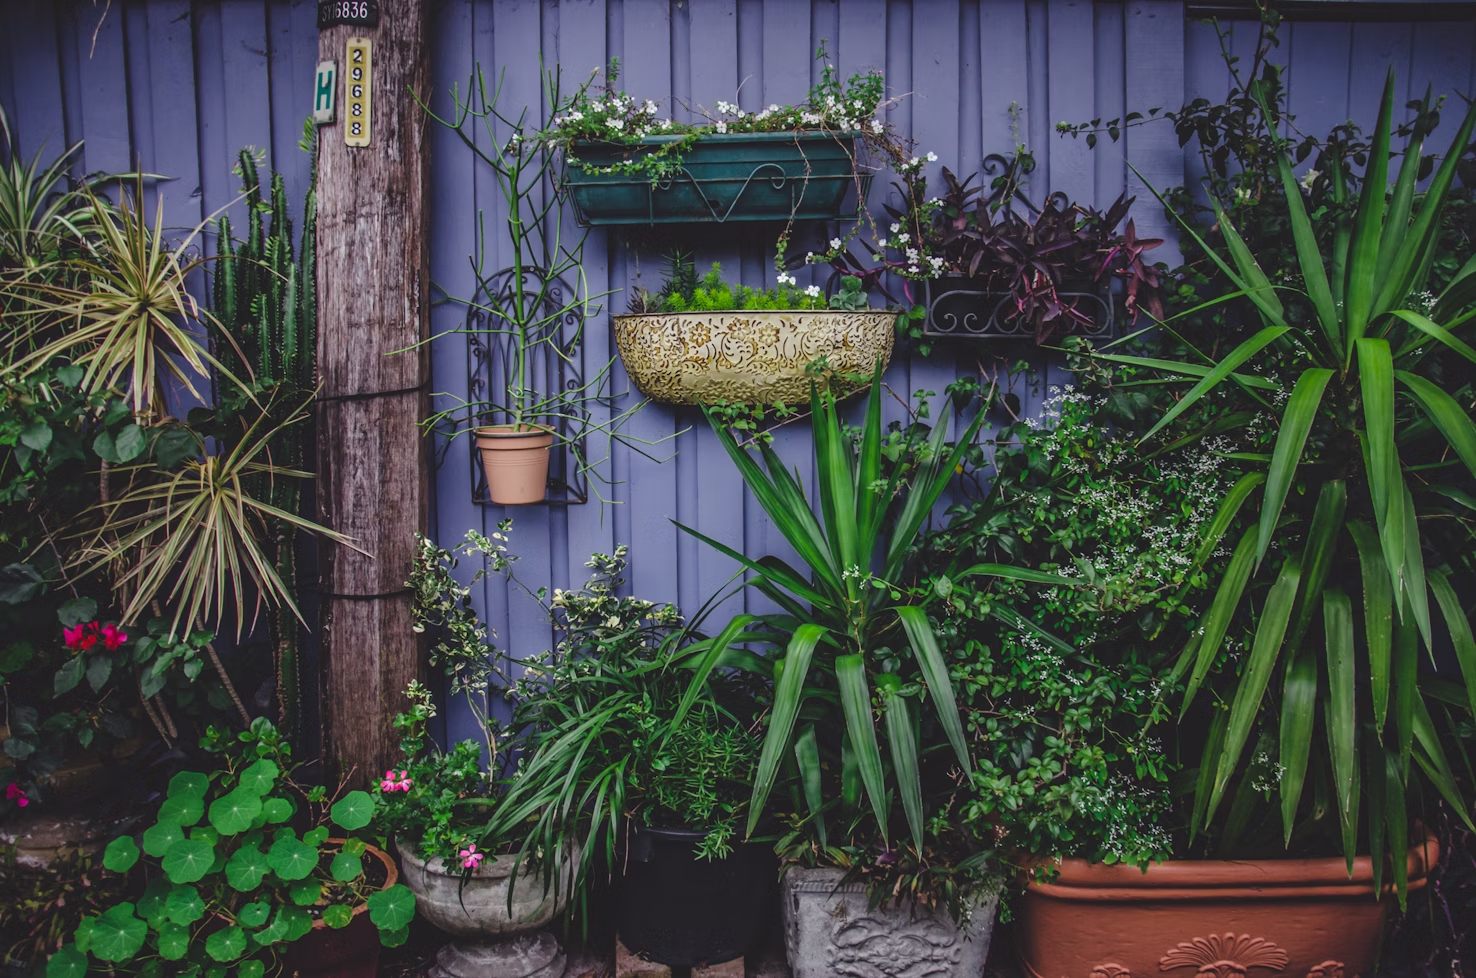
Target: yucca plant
<point x="856" y="633"/>
<point x="1364" y="504"/>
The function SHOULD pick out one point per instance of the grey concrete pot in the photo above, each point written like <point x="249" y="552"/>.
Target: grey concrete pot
<point x="829" y="933"/>
<point x="493" y="941"/>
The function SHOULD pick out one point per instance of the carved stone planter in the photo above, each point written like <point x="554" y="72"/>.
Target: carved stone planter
<point x="829" y="933"/>
<point x="1302" y="918"/>
<point x="701" y="357"/>
<point x="492" y="940"/>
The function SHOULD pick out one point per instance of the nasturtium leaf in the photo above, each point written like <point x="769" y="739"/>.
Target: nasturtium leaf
<point x="392" y="908"/>
<point x="276" y="810"/>
<point x="155" y="898"/>
<point x="82" y="936"/>
<point x="188" y="783"/>
<point x="316" y="837"/>
<point x="250" y="969"/>
<point x="291" y="859"/>
<point x="271" y="933"/>
<point x="67" y="962"/>
<point x="204" y="833"/>
<point x="184" y="905"/>
<point x="338" y="915"/>
<point x="260" y="777"/>
<point x="305" y="893"/>
<point x="233" y="813"/>
<point x="354" y="847"/>
<point x="254" y="914"/>
<point x="246" y="867"/>
<point x="396" y="937"/>
<point x="346" y="867"/>
<point x="227" y="944"/>
<point x="159" y="838"/>
<point x="118" y="934"/>
<point x="121" y="854"/>
<point x="298" y="922"/>
<point x="188" y="860"/>
<point x="182" y="809"/>
<point x="353" y="811"/>
<point x="215" y="971"/>
<point x="174" y="941"/>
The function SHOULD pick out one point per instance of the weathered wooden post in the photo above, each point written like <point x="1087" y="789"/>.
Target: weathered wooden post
<point x="373" y="300"/>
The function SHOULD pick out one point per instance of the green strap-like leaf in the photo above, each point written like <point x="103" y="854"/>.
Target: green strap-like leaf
<point x="1446" y="414"/>
<point x="1296" y="422"/>
<point x="1378" y="617"/>
<point x="902" y="738"/>
<point x="1342" y="716"/>
<point x="1225" y="515"/>
<point x="1189" y="370"/>
<point x="1205" y="777"/>
<point x="925" y="491"/>
<point x="935" y="670"/>
<point x="1435" y="331"/>
<point x="1298" y="717"/>
<point x="1318" y="554"/>
<point x="1376" y="378"/>
<point x="850" y="675"/>
<point x="1222" y="609"/>
<point x="1459" y="626"/>
<point x="1220" y="371"/>
<point x="868" y="468"/>
<point x="1374" y="759"/>
<point x="788" y="693"/>
<point x="1401" y="203"/>
<point x="1414" y="566"/>
<point x="1368" y="225"/>
<point x="705" y="665"/>
<point x="1406" y="668"/>
<point x="1431" y="758"/>
<point x="1309" y="257"/>
<point x="1270" y="630"/>
<point x="807" y="757"/>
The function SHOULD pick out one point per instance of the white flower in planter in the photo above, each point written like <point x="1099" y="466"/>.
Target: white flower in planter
<point x="813" y="291"/>
<point x="835" y="243"/>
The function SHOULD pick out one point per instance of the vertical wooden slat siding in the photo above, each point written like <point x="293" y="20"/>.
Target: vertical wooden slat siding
<point x="181" y="85"/>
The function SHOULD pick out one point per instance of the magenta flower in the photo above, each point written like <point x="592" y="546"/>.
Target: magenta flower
<point x="17" y="794"/>
<point x="404" y="783"/>
<point x="393" y="782"/>
<point x="470" y="858"/>
<point x="113" y="637"/>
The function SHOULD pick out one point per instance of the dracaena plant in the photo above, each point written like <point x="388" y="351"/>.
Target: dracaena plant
<point x="1362" y="506"/>
<point x="857" y="637"/>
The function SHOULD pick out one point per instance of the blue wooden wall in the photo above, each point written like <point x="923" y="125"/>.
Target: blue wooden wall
<point x="176" y="87"/>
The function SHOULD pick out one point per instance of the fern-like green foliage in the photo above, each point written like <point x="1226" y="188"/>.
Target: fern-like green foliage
<point x="264" y="297"/>
<point x="685" y="292"/>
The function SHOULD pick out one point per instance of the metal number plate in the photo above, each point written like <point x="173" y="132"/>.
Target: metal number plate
<point x="357" y="75"/>
<point x="362" y="13"/>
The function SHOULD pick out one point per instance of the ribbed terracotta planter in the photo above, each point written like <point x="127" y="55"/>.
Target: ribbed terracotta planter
<point x="1303" y="918"/>
<point x="754" y="356"/>
<point x="515" y="460"/>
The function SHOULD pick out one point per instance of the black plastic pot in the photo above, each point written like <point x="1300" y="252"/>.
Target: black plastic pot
<point x="683" y="911"/>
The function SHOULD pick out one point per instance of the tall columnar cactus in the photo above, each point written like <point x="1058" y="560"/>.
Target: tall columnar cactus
<point x="264" y="297"/>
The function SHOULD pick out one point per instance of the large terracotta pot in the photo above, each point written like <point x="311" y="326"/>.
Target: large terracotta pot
<point x="348" y="952"/>
<point x="495" y="937"/>
<point x="515" y="460"/>
<point x="1304" y="918"/>
<point x="701" y="357"/>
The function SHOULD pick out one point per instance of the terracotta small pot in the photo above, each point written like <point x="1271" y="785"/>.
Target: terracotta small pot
<point x="347" y="952"/>
<point x="515" y="459"/>
<point x="1303" y="918"/>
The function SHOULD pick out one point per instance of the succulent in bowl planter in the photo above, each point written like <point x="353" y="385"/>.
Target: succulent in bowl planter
<point x="240" y="864"/>
<point x="702" y="340"/>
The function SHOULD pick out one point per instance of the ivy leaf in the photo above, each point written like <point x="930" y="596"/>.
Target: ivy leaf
<point x="305" y="893"/>
<point x="160" y="837"/>
<point x="121" y="854"/>
<point x="260" y="777"/>
<point x="254" y="914"/>
<point x="188" y="860"/>
<point x="291" y="859"/>
<point x="67" y="962"/>
<point x="184" y="905"/>
<point x="118" y="934"/>
<point x="337" y="915"/>
<point x="104" y="447"/>
<point x="392" y="908"/>
<point x="188" y="783"/>
<point x="234" y="813"/>
<point x="246" y="868"/>
<point x="276" y="810"/>
<point x="346" y="868"/>
<point x="174" y="941"/>
<point x="226" y="945"/>
<point x="182" y="809"/>
<point x="99" y="670"/>
<point x="353" y="811"/>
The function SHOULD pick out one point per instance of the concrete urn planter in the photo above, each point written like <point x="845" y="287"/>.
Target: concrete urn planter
<point x="830" y="933"/>
<point x="492" y="942"/>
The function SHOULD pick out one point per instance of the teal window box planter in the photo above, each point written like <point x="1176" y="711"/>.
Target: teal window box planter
<point x="765" y="176"/>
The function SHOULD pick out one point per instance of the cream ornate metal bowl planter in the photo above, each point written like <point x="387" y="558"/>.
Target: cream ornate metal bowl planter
<point x="701" y="357"/>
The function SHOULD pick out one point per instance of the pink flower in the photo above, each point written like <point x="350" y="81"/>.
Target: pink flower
<point x="17" y="794"/>
<point x="404" y="783"/>
<point x="113" y="637"/>
<point x="82" y="637"/>
<point x="392" y="782"/>
<point x="470" y="858"/>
